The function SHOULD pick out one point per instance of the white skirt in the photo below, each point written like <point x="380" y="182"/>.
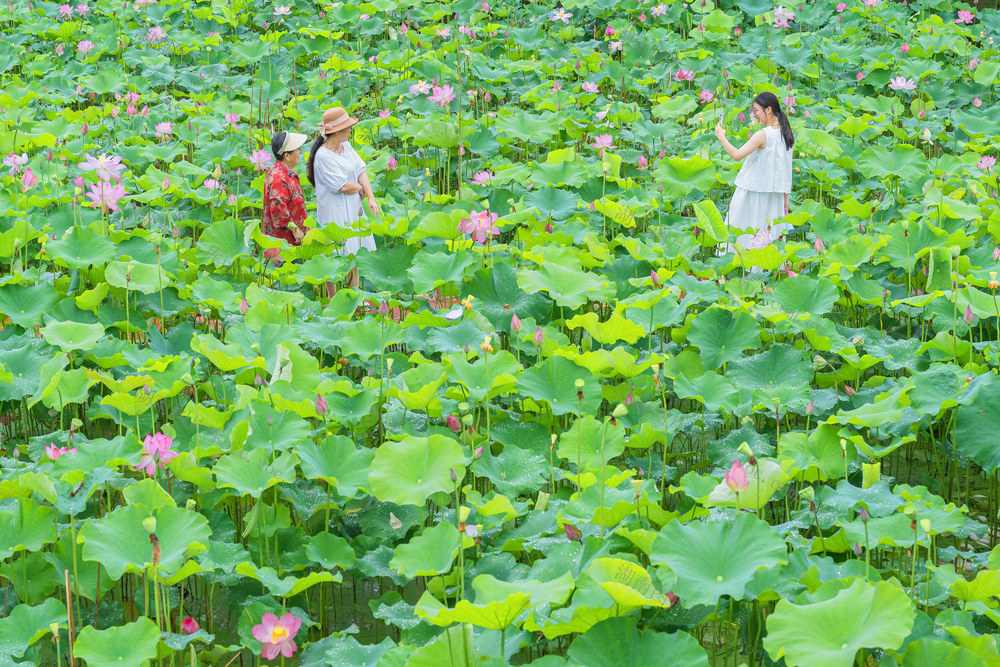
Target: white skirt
<point x="756" y="212"/>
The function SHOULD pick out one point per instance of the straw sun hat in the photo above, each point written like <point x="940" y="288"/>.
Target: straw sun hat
<point x="336" y="119"/>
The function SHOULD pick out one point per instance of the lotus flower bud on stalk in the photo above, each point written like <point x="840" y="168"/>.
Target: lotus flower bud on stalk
<point x="572" y="532"/>
<point x="515" y="323"/>
<point x="538" y="338"/>
<point x="857" y="550"/>
<point x="321" y="405"/>
<point x="736" y="478"/>
<point x="453" y="475"/>
<point x="244" y="306"/>
<point x="968" y="316"/>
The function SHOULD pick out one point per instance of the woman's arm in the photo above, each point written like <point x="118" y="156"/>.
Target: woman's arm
<point x="756" y="141"/>
<point x="350" y="188"/>
<point x="366" y="188"/>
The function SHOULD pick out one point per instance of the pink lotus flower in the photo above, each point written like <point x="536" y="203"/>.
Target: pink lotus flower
<point x="841" y="7"/>
<point x="15" y="162"/>
<point x="155" y="35"/>
<point x="902" y="83"/>
<point x="82" y="9"/>
<point x="860" y="75"/>
<point x="965" y="16"/>
<point x="479" y="225"/>
<point x="65" y="11"/>
<point x="277" y="635"/>
<point x="28" y="180"/>
<point x="782" y="16"/>
<point x="974" y="63"/>
<point x="232" y="118"/>
<point x="986" y="162"/>
<point x="976" y="102"/>
<point x="106" y="168"/>
<point x="561" y="15"/>
<point x="614" y="47"/>
<point x="604" y="141"/>
<point x="442" y="95"/>
<point x="261" y="158"/>
<point x="384" y="113"/>
<point x="164" y="130"/>
<point x="54" y="452"/>
<point x="870" y="3"/>
<point x="590" y="87"/>
<point x="59" y="49"/>
<point x="420" y="88"/>
<point x="659" y="10"/>
<point x="443" y="33"/>
<point x="736" y="478"/>
<point x="482" y="177"/>
<point x="105" y="195"/>
<point x="189" y="626"/>
<point x="706" y="96"/>
<point x="683" y="75"/>
<point x="392" y="163"/>
<point x="905" y="48"/>
<point x="156" y="450"/>
<point x="282" y="10"/>
<point x="212" y="184"/>
<point x="85" y="47"/>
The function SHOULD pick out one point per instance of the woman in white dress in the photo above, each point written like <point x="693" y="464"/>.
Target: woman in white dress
<point x="765" y="179"/>
<point x="338" y="173"/>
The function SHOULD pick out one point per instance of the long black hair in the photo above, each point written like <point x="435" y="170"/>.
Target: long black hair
<point x="310" y="173"/>
<point x="770" y="100"/>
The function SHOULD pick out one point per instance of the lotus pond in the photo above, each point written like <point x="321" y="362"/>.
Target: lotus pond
<point x="579" y="433"/>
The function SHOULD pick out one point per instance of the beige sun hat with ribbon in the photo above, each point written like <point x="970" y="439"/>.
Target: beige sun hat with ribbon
<point x="336" y="119"/>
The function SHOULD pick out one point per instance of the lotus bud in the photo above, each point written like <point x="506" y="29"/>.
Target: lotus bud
<point x="258" y="380"/>
<point x="642" y="162"/>
<point x="149" y="523"/>
<point x="849" y="390"/>
<point x="515" y="323"/>
<point x="477" y="452"/>
<point x="189" y="626"/>
<point x="321" y="405"/>
<point x="572" y="532"/>
<point x="857" y="550"/>
<point x="28" y="180"/>
<point x="967" y="316"/>
<point x="548" y="227"/>
<point x="453" y="475"/>
<point x="244" y="306"/>
<point x="996" y="253"/>
<point x="818" y="245"/>
<point x="453" y="423"/>
<point x="383" y="309"/>
<point x="742" y="117"/>
<point x="538" y="338"/>
<point x="811" y="408"/>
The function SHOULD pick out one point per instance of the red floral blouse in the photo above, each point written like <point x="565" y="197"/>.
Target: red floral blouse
<point x="283" y="203"/>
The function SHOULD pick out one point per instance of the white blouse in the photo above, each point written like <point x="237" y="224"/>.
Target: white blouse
<point x="767" y="169"/>
<point x="332" y="171"/>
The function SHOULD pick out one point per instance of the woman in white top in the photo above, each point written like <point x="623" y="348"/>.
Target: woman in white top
<point x="765" y="179"/>
<point x="338" y="173"/>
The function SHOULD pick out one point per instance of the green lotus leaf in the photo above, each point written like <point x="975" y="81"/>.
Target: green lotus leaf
<point x="389" y="269"/>
<point x="628" y="584"/>
<point x="24" y="625"/>
<point x="288" y="586"/>
<point x="498" y="297"/>
<point x="352" y="409"/>
<point x="904" y="162"/>
<point x="778" y="372"/>
<point x="928" y="652"/>
<point x="411" y="470"/>
<point x="120" y="543"/>
<point x="429" y="553"/>
<point x="137" y="276"/>
<point x="555" y="592"/>
<point x="417" y="387"/>
<point x="433" y="269"/>
<point x="764" y="479"/>
<point x="68" y="336"/>
<point x="804" y="294"/>
<point x="615" y="328"/>
<point x="554" y="382"/>
<point x="722" y="335"/>
<point x="830" y="632"/>
<point x="344" y="650"/>
<point x="130" y="644"/>
<point x="80" y="248"/>
<point x="222" y="243"/>
<point x="494" y="615"/>
<point x="617" y="641"/>
<point x="680" y="176"/>
<point x="330" y="551"/>
<point x="587" y="439"/>
<point x="975" y="431"/>
<point x="252" y="472"/>
<point x="717" y="558"/>
<point x="482" y="378"/>
<point x="568" y="287"/>
<point x="337" y="462"/>
<point x="712" y="389"/>
<point x="28" y="526"/>
<point x="455" y="646"/>
<point x="25" y="304"/>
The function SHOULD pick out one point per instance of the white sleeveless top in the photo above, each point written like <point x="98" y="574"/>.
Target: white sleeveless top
<point x="767" y="169"/>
